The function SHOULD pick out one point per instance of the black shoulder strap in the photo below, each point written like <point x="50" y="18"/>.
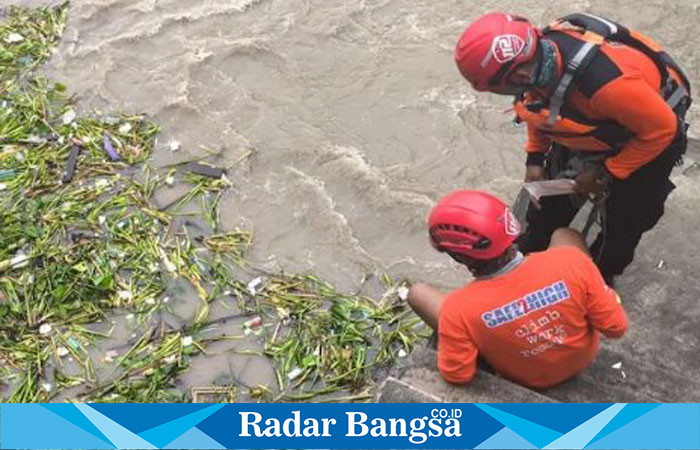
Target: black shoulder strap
<point x="613" y="31"/>
<point x="577" y="64"/>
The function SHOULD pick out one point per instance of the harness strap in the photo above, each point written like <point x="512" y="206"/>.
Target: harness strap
<point x="557" y="99"/>
<point x="680" y="93"/>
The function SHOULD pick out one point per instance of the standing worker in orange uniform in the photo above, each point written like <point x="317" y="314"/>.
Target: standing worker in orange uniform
<point x="603" y="104"/>
<point x="534" y="319"/>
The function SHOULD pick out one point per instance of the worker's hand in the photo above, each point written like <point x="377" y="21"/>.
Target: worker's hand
<point x="534" y="173"/>
<point x="591" y="182"/>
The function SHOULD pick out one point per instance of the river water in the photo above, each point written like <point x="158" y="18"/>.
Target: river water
<point x="355" y="111"/>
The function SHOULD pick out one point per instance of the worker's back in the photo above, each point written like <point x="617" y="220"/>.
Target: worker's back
<point x="534" y="324"/>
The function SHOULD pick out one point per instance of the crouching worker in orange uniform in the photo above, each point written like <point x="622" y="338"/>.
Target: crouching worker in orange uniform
<point x="534" y="319"/>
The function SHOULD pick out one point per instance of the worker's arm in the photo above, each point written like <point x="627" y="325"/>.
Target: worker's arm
<point x="456" y="351"/>
<point x="605" y="311"/>
<point x="632" y="103"/>
<point x="536" y="148"/>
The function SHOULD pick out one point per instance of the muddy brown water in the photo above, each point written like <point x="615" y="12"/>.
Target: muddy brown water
<point x="357" y="115"/>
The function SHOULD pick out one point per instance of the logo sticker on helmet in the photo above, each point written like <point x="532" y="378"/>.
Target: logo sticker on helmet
<point x="511" y="224"/>
<point x="506" y="47"/>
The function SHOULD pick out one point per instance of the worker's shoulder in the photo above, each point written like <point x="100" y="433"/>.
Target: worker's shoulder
<point x="562" y="254"/>
<point x="458" y="298"/>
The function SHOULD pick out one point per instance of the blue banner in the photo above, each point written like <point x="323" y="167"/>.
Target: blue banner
<point x="350" y="426"/>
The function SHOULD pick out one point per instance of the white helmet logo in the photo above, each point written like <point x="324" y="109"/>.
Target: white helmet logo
<point x="512" y="225"/>
<point x="506" y="47"/>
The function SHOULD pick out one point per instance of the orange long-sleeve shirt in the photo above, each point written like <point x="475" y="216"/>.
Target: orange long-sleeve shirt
<point x="535" y="325"/>
<point x="633" y="100"/>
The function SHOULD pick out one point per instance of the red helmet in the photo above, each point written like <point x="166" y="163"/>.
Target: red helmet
<point x="492" y="47"/>
<point x="472" y="223"/>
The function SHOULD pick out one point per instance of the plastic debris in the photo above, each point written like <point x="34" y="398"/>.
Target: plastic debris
<point x="174" y="145"/>
<point x="169" y="266"/>
<point x="5" y="174"/>
<point x="124" y="295"/>
<point x="125" y="128"/>
<point x="294" y="373"/>
<point x="68" y="117"/>
<point x="403" y="293"/>
<point x="169" y="180"/>
<point x="110" y="355"/>
<point x="47" y="386"/>
<point x="62" y="351"/>
<point x="73" y="343"/>
<point x="617" y="365"/>
<point x="253" y="285"/>
<point x="624" y="375"/>
<point x="661" y="264"/>
<point x="109" y="148"/>
<point x="253" y="325"/>
<point x="170" y="359"/>
<point x="111" y="120"/>
<point x="45" y="329"/>
<point x="14" y="38"/>
<point x="150" y="301"/>
<point x="255" y="322"/>
<point x="70" y="165"/>
<point x="402" y="353"/>
<point x="20" y="260"/>
<point x="187" y="341"/>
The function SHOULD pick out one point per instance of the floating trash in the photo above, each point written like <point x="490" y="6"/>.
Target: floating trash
<point x="255" y="322"/>
<point x="110" y="355"/>
<point x="14" y="38"/>
<point x="294" y="373"/>
<point x="20" y="260"/>
<point x="68" y="117"/>
<point x="254" y="284"/>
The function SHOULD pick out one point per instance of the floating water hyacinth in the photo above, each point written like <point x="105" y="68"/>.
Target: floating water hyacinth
<point x="98" y="248"/>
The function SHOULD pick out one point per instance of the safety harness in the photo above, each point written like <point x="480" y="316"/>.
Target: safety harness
<point x="595" y="30"/>
<point x="592" y="31"/>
